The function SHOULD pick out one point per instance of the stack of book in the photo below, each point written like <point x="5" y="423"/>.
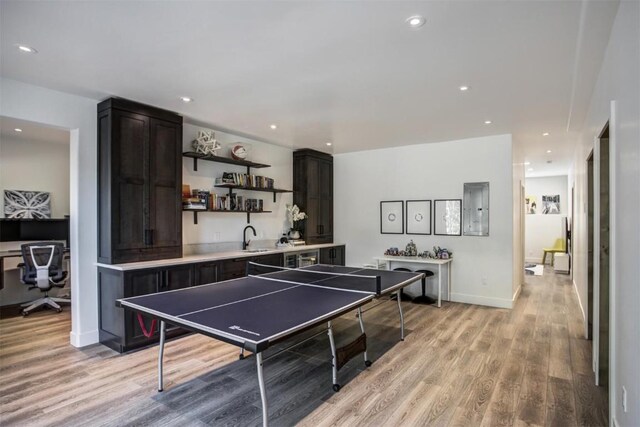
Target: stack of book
<point x="198" y="199"/>
<point x="244" y="180"/>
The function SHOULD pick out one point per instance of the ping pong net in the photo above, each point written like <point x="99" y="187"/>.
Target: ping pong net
<point x="326" y="279"/>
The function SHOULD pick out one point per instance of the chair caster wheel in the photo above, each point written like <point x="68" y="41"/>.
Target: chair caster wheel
<point x="367" y="363"/>
<point x="59" y="310"/>
<point x="336" y="387"/>
<point x="24" y="313"/>
<point x="241" y="357"/>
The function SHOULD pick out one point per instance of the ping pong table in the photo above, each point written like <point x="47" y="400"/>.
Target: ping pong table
<point x="260" y="310"/>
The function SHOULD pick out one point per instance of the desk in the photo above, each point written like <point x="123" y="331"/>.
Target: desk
<point x="17" y="253"/>
<point x="390" y="260"/>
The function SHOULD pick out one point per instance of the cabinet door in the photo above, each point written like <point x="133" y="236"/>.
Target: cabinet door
<point x="313" y="221"/>
<point x="129" y="161"/>
<point x="140" y="283"/>
<point x="271" y="259"/>
<point x="207" y="272"/>
<point x="177" y="278"/>
<point x="325" y="206"/>
<point x="233" y="268"/>
<point x="165" y="184"/>
<point x="333" y="256"/>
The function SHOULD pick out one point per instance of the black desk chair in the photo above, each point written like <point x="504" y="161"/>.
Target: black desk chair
<point x="42" y="269"/>
<point x="424" y="298"/>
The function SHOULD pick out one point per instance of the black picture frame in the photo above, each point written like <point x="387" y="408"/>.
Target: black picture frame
<point x="418" y="217"/>
<point x="392" y="217"/>
<point x="451" y="224"/>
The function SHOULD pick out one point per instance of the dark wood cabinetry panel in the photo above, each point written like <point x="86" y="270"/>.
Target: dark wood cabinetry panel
<point x="233" y="268"/>
<point x="140" y="181"/>
<point x="120" y="329"/>
<point x="206" y="272"/>
<point x="313" y="193"/>
<point x="333" y="256"/>
<point x="271" y="259"/>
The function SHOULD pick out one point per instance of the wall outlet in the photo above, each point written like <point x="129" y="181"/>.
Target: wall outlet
<point x="624" y="399"/>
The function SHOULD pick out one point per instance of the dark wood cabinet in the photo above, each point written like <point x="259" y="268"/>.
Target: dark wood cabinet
<point x="233" y="268"/>
<point x="139" y="182"/>
<point x="119" y="328"/>
<point x="333" y="256"/>
<point x="313" y="193"/>
<point x="207" y="272"/>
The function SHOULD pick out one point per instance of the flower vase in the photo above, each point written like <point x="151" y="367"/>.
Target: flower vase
<point x="294" y="234"/>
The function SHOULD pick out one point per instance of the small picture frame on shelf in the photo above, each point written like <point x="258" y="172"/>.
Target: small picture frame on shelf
<point x="392" y="217"/>
<point x="419" y="217"/>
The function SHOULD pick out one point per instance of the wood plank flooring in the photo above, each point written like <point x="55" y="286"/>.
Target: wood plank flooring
<point x="460" y="365"/>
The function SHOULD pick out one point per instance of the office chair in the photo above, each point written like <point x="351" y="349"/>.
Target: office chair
<point x="42" y="269"/>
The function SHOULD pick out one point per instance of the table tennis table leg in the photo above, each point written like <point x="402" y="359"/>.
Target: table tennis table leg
<point x="401" y="316"/>
<point x="263" y="392"/>
<point x="334" y="360"/>
<point x="367" y="362"/>
<point x="163" y="328"/>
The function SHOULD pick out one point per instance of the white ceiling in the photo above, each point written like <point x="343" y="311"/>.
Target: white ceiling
<point x="31" y="132"/>
<point x="348" y="72"/>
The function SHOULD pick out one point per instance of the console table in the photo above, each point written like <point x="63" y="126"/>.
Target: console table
<point x="397" y="261"/>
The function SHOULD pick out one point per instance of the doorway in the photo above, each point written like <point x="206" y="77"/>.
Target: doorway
<point x="603" y="257"/>
<point x="590" y="223"/>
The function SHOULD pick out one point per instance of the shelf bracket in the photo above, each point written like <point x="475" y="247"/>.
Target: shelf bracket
<point x="248" y="217"/>
<point x="195" y="217"/>
<point x="195" y="166"/>
<point x="274" y="197"/>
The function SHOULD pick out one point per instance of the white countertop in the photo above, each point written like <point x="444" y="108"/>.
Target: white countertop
<point x="214" y="256"/>
<point x="414" y="259"/>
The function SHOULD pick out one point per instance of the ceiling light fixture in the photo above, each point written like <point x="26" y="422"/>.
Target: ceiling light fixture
<point x="329" y="144"/>
<point x="274" y="127"/>
<point x="26" y="49"/>
<point x="545" y="134"/>
<point x="487" y="122"/>
<point x="464" y="88"/>
<point x="186" y="99"/>
<point x="415" y="21"/>
<point x="548" y="151"/>
<point x="530" y="169"/>
<point x="18" y="130"/>
<point x="527" y="163"/>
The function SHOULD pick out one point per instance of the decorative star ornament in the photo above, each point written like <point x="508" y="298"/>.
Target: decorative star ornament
<point x="206" y="143"/>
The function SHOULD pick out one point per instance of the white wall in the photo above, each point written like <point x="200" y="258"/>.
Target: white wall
<point x="482" y="266"/>
<point x="543" y="230"/>
<point x="53" y="108"/>
<point x="616" y="98"/>
<point x="36" y="165"/>
<point x="518" y="180"/>
<point x="225" y="227"/>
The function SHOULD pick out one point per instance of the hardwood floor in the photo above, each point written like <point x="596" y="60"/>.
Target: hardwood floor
<point x="460" y="365"/>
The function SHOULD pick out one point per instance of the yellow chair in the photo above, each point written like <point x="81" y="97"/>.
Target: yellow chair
<point x="558" y="247"/>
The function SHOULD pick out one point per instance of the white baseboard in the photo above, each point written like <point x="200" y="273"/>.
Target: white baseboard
<point x="84" y="339"/>
<point x="516" y="294"/>
<point x="575" y="288"/>
<point x="480" y="300"/>
<point x="533" y="260"/>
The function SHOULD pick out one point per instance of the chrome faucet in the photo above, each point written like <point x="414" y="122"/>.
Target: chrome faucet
<point x="246" y="242"/>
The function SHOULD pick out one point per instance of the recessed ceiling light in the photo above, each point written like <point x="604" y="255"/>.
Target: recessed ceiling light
<point x="464" y="88"/>
<point x="530" y="169"/>
<point x="487" y="122"/>
<point x="548" y="151"/>
<point x="527" y="163"/>
<point x="545" y="134"/>
<point x="18" y="130"/>
<point x="26" y="49"/>
<point x="274" y="127"/>
<point x="415" y="21"/>
<point x="329" y="144"/>
<point x="186" y="99"/>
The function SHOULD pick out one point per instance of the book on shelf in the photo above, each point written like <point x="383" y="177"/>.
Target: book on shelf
<point x="245" y="180"/>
